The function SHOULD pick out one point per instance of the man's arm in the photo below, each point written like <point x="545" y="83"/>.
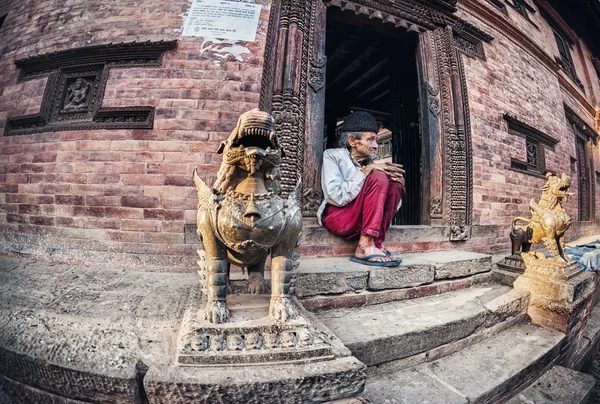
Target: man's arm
<point x="337" y="190"/>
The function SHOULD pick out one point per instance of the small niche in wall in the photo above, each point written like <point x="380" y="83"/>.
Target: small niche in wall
<point x="573" y="164"/>
<point x="598" y="177"/>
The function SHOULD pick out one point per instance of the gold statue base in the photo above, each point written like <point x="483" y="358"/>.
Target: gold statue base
<point x="558" y="290"/>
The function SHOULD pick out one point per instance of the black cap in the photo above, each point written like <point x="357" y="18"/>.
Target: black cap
<point x="360" y="121"/>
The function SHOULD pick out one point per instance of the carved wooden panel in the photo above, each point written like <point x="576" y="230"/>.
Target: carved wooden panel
<point x="585" y="137"/>
<point x="75" y="88"/>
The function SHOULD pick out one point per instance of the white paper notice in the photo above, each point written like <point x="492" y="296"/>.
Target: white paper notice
<point x="222" y="19"/>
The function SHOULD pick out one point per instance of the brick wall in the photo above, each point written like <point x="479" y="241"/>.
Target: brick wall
<point x="124" y="196"/>
<point x="513" y="80"/>
<point x="118" y="196"/>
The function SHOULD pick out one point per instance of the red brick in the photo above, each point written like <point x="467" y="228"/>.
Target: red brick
<point x="70" y="200"/>
<point x="104" y="156"/>
<point x="102" y="200"/>
<point x="93" y="223"/>
<point x="29" y="209"/>
<point x="12" y="218"/>
<point x="179" y="180"/>
<point x="163" y="214"/>
<point x="140" y="202"/>
<point x="93" y="211"/>
<point x="140" y="225"/>
<point x="41" y="220"/>
<point x="143" y="179"/>
<point x="123" y="213"/>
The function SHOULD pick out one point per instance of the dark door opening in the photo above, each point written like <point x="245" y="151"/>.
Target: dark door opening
<point x="372" y="67"/>
<point x="583" y="174"/>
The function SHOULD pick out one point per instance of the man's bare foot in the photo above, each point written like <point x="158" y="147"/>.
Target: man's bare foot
<point x="366" y="247"/>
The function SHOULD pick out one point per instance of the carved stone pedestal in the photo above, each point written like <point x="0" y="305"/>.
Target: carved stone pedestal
<point x="512" y="263"/>
<point x="558" y="290"/>
<point x="249" y="337"/>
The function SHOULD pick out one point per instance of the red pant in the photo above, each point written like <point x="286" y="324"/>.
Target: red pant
<point x="370" y="213"/>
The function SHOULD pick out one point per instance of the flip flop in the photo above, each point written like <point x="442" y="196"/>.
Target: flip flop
<point x="389" y="254"/>
<point x="365" y="261"/>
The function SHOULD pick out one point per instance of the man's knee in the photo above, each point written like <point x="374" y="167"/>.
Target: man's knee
<point x="378" y="177"/>
<point x="396" y="189"/>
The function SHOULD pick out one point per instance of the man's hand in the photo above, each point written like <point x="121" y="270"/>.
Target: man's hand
<point x="394" y="172"/>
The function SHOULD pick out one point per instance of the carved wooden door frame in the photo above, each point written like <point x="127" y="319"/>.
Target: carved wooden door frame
<point x="293" y="91"/>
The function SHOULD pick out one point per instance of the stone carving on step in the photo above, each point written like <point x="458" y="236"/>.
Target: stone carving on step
<point x="243" y="218"/>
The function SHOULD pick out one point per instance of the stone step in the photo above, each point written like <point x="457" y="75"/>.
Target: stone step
<point x="487" y="372"/>
<point x="558" y="385"/>
<point x="391" y="331"/>
<point x="338" y="275"/>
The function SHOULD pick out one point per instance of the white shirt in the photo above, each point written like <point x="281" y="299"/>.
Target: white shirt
<point x="341" y="179"/>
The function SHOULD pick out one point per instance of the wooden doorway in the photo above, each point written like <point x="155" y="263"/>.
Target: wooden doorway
<point x="372" y="67"/>
<point x="584" y="180"/>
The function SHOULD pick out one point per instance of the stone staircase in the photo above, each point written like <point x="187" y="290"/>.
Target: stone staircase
<point x="437" y="329"/>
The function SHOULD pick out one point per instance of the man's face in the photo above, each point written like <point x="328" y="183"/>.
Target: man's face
<point x="365" y="147"/>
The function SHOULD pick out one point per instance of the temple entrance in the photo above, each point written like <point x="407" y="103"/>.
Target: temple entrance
<point x="373" y="67"/>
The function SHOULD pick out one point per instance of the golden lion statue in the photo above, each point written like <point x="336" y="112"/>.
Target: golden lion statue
<point x="243" y="218"/>
<point x="548" y="222"/>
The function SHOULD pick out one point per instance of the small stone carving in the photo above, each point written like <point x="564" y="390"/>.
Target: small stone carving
<point x="548" y="222"/>
<point x="76" y="98"/>
<point x="243" y="218"/>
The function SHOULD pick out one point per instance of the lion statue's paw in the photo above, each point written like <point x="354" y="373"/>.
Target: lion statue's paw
<point x="281" y="309"/>
<point x="256" y="284"/>
<point x="216" y="312"/>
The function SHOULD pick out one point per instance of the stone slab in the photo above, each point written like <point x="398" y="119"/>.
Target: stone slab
<point x="365" y="298"/>
<point x="400" y="277"/>
<point x="487" y="372"/>
<point x="410" y="387"/>
<point x="329" y="276"/>
<point x="558" y="385"/>
<point x="385" y="332"/>
<point x="313" y="234"/>
<point x="491" y="370"/>
<point x="504" y="277"/>
<point x="508" y="305"/>
<point x="335" y="275"/>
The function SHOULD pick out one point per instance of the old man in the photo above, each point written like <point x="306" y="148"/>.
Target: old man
<point x="361" y="196"/>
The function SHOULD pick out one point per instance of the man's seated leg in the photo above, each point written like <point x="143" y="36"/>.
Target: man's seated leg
<point x="395" y="193"/>
<point x="362" y="217"/>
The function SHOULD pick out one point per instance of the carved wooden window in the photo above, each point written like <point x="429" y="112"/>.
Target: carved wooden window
<point x="565" y="42"/>
<point x="75" y="88"/>
<point x="523" y="8"/>
<point x="535" y="144"/>
<point x="499" y="5"/>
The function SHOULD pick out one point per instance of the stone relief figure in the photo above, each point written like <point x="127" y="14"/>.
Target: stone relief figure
<point x="76" y="98"/>
<point x="548" y="222"/>
<point x="243" y="217"/>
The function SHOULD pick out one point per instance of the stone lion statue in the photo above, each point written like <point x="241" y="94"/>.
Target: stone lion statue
<point x="243" y="218"/>
<point x="548" y="222"/>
